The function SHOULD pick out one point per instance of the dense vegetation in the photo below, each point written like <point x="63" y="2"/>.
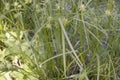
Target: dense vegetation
<point x="59" y="39"/>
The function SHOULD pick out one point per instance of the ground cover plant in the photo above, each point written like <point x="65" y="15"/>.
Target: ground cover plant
<point x="59" y="39"/>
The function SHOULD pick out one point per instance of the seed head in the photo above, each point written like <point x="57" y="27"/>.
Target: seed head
<point x="82" y="7"/>
<point x="107" y="12"/>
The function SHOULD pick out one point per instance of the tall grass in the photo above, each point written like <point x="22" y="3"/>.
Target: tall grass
<point x="59" y="40"/>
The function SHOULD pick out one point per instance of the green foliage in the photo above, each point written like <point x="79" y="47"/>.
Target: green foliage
<point x="59" y="39"/>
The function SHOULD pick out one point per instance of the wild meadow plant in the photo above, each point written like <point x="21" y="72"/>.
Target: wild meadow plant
<point x="59" y="40"/>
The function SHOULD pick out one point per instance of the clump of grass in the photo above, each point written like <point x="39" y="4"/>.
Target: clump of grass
<point x="67" y="39"/>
